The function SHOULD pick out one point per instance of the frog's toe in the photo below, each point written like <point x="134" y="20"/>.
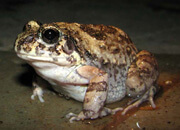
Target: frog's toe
<point x="106" y="111"/>
<point x="38" y="92"/>
<point x="70" y="115"/>
<point x="135" y="104"/>
<point x="74" y="117"/>
<point x="151" y="95"/>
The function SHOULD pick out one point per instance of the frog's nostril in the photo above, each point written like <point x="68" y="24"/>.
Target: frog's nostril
<point x="32" y="25"/>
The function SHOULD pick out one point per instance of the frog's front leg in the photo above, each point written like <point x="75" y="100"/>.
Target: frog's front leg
<point x="141" y="80"/>
<point x="39" y="85"/>
<point x="95" y="96"/>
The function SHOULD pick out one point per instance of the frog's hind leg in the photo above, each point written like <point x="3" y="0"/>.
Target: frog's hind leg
<point x="141" y="80"/>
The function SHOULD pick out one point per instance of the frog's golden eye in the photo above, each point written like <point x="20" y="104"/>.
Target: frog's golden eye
<point x="50" y="36"/>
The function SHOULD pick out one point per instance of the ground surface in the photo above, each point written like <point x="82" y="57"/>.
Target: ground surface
<point x="153" y="26"/>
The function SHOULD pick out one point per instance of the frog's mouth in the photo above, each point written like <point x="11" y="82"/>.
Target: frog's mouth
<point x="60" y="61"/>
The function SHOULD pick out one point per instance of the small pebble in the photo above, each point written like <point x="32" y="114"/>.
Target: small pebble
<point x="168" y="82"/>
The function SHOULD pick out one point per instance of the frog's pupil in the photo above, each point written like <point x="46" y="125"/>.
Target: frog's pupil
<point x="50" y="36"/>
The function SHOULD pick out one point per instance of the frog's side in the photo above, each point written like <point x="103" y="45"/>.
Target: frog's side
<point x="95" y="64"/>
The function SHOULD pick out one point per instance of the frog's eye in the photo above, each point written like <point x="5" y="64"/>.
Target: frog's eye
<point x="50" y="36"/>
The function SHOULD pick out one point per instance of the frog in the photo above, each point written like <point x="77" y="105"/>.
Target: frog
<point x="92" y="63"/>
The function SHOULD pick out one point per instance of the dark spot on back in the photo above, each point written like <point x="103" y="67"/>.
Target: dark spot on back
<point x="102" y="47"/>
<point x="134" y="49"/>
<point x="110" y="29"/>
<point x="99" y="35"/>
<point x="115" y="51"/>
<point x="107" y="29"/>
<point x="124" y="39"/>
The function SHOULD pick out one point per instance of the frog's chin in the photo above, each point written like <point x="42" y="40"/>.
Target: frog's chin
<point x="60" y="61"/>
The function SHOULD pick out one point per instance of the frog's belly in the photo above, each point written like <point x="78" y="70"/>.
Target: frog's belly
<point x="75" y="92"/>
<point x="78" y="93"/>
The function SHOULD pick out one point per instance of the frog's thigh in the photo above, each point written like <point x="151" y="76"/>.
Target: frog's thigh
<point x="134" y="84"/>
<point x="142" y="76"/>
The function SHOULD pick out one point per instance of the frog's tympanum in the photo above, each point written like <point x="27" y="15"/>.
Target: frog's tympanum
<point x="93" y="64"/>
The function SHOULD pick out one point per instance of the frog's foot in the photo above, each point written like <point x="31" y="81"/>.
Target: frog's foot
<point x="38" y="91"/>
<point x="39" y="86"/>
<point x="147" y="96"/>
<point x="91" y="115"/>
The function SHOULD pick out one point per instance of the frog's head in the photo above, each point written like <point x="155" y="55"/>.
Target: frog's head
<point x="46" y="43"/>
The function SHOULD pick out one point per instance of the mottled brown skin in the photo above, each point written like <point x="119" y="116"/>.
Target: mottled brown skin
<point x="102" y="58"/>
<point x="108" y="43"/>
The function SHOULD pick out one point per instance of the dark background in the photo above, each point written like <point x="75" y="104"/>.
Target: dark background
<point x="152" y="25"/>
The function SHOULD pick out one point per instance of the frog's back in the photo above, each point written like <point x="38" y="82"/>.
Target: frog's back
<point x="106" y="44"/>
<point x="108" y="48"/>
